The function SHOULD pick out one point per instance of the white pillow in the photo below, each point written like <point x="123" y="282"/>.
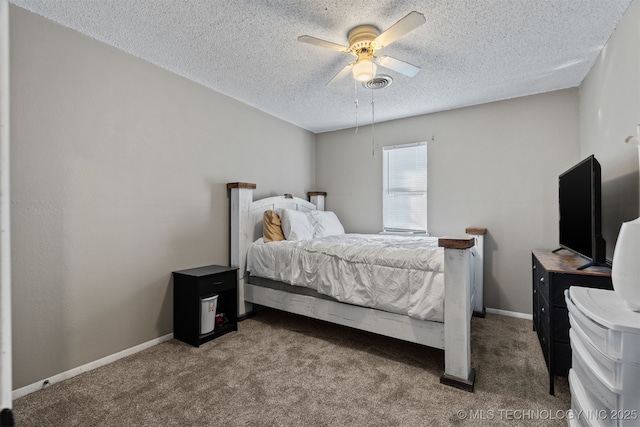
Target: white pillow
<point x="295" y="225"/>
<point x="325" y="223"/>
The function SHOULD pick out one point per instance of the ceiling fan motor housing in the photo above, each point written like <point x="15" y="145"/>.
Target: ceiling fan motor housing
<point x="360" y="39"/>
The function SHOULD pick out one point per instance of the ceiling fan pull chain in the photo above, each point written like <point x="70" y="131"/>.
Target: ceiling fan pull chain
<point x="355" y="91"/>
<point x="373" y="122"/>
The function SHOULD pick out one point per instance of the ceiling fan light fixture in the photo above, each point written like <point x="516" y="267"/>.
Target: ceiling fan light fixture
<point x="364" y="70"/>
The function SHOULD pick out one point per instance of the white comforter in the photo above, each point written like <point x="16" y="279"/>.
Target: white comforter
<point x="403" y="275"/>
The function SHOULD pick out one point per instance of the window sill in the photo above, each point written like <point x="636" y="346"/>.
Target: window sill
<point x="404" y="233"/>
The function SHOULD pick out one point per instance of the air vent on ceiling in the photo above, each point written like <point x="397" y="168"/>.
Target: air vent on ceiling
<point x="378" y="82"/>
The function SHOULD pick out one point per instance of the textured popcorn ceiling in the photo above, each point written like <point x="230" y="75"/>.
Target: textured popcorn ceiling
<point x="470" y="51"/>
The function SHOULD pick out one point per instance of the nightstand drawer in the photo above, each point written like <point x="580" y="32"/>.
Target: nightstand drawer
<point x="217" y="283"/>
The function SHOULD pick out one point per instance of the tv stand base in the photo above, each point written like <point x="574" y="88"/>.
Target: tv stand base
<point x="587" y="265"/>
<point x="593" y="264"/>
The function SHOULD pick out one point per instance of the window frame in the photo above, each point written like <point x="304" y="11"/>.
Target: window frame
<point x="386" y="227"/>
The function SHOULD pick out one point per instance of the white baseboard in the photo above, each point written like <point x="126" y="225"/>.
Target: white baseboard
<point x="510" y="313"/>
<point x="23" y="391"/>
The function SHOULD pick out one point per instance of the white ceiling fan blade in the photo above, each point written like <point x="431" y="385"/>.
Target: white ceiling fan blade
<point x="346" y="70"/>
<point x="401" y="67"/>
<point x="323" y="43"/>
<point x="407" y="24"/>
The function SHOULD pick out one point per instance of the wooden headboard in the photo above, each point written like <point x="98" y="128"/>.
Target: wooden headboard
<point x="246" y="224"/>
<point x="258" y="208"/>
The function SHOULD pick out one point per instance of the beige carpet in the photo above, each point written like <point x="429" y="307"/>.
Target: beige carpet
<point x="285" y="370"/>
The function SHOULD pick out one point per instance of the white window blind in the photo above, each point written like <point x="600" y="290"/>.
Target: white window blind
<point x="404" y="187"/>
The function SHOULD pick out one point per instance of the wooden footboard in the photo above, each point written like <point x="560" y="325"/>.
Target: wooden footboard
<point x="458" y="308"/>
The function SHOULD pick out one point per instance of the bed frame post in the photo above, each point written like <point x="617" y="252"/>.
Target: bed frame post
<point x="317" y="198"/>
<point x="457" y="313"/>
<point x="240" y="207"/>
<point x="478" y="264"/>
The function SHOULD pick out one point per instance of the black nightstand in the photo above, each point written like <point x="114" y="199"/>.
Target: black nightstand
<point x="193" y="284"/>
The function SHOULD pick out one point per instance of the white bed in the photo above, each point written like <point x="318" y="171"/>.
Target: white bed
<point x="421" y="316"/>
<point x="398" y="274"/>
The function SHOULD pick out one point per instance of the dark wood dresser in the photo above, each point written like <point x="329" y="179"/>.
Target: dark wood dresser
<point x="552" y="274"/>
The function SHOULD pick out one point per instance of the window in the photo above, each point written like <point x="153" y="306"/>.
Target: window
<point x="404" y="188"/>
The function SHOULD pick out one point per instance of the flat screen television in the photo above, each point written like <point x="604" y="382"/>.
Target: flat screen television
<point x="580" y="203"/>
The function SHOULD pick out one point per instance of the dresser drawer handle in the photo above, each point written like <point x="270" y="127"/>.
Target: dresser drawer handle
<point x="542" y="309"/>
<point x="542" y="279"/>
<point x="218" y="283"/>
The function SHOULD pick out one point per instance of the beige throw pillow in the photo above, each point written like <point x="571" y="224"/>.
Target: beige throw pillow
<point x="271" y="228"/>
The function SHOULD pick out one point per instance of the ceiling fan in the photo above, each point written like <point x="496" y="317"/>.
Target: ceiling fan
<point x="365" y="41"/>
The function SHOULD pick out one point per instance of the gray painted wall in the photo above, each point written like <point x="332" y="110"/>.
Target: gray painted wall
<point x="494" y="165"/>
<point x="609" y="112"/>
<point x="118" y="173"/>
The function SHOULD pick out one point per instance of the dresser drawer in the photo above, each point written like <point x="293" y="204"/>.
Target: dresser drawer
<point x="561" y="358"/>
<point x="562" y="282"/>
<point x="543" y="286"/>
<point x="545" y="343"/>
<point x="543" y="314"/>
<point x="560" y="324"/>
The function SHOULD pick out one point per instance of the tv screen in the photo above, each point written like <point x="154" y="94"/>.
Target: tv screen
<point x="580" y="210"/>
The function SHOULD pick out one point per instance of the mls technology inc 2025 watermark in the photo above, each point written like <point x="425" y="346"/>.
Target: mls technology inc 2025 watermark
<point x="545" y="414"/>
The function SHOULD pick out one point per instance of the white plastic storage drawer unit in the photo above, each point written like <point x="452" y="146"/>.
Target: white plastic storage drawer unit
<point x="585" y="410"/>
<point x="603" y="396"/>
<point x="605" y="369"/>
<point x="606" y="321"/>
